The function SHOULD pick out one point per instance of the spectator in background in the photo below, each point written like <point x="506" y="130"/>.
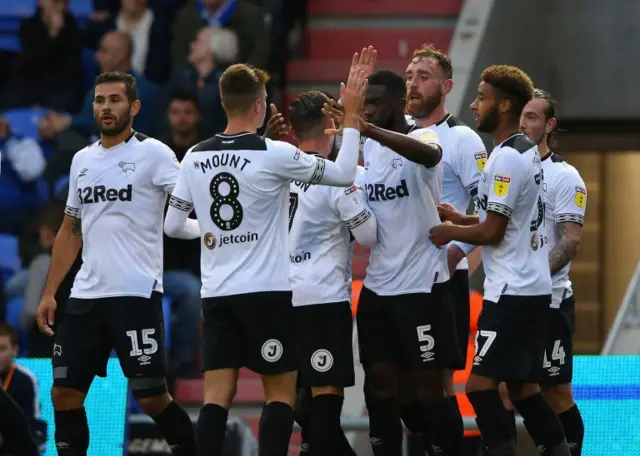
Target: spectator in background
<point x="19" y="382"/>
<point x="182" y="257"/>
<point x="21" y="189"/>
<point x="211" y="52"/>
<point x="73" y="132"/>
<point x="151" y="34"/>
<point x="51" y="69"/>
<point x="49" y="222"/>
<point x="244" y="17"/>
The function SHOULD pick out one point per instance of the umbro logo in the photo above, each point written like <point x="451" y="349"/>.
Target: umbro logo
<point x="83" y="172"/>
<point x="144" y="360"/>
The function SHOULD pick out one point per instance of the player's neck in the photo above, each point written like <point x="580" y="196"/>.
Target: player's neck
<point x="240" y="125"/>
<point x="314" y="145"/>
<point x="505" y="130"/>
<point x="543" y="149"/>
<point x="434" y="117"/>
<point x="187" y="139"/>
<point x="107" y="142"/>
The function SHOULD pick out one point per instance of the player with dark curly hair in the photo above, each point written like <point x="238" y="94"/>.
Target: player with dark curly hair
<point x="511" y="337"/>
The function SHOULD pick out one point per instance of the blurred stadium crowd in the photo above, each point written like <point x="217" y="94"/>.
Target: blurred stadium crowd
<point x="177" y="49"/>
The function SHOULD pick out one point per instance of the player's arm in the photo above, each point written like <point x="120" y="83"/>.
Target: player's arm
<point x="570" y="205"/>
<point x="177" y="223"/>
<point x="421" y="150"/>
<point x="290" y="163"/>
<point x="505" y="182"/>
<point x="357" y="216"/>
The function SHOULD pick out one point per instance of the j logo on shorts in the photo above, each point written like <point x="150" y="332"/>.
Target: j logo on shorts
<point x="272" y="350"/>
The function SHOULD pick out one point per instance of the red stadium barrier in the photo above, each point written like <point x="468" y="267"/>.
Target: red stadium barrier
<point x="384" y="7"/>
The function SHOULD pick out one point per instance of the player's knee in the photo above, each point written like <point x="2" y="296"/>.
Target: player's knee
<point x="519" y="391"/>
<point x="67" y="398"/>
<point x="280" y="387"/>
<point x="559" y="397"/>
<point x="477" y="383"/>
<point x="382" y="380"/>
<point x="318" y="390"/>
<point x="504" y="395"/>
<point x="447" y="379"/>
<point x="429" y="385"/>
<point x="154" y="405"/>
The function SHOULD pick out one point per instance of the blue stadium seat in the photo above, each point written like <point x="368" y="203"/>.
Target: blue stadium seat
<point x="24" y="8"/>
<point x="14" y="309"/>
<point x="10" y="261"/>
<point x="89" y="67"/>
<point x="25" y="120"/>
<point x="61" y="188"/>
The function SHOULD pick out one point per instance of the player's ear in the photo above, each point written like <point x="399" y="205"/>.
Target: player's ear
<point x="505" y="105"/>
<point x="550" y="125"/>
<point x="447" y="85"/>
<point x="135" y="108"/>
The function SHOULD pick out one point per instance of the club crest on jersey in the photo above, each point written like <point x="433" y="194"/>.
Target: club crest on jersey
<point x="481" y="160"/>
<point x="501" y="184"/>
<point x="209" y="241"/>
<point x="127" y="166"/>
<point x="581" y="197"/>
<point x="396" y="163"/>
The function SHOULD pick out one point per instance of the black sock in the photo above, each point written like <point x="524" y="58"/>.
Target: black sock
<point x="211" y="429"/>
<point x="72" y="432"/>
<point x="573" y="426"/>
<point x="457" y="424"/>
<point x="14" y="428"/>
<point x="493" y="420"/>
<point x="325" y="424"/>
<point x="177" y="430"/>
<point x="276" y="424"/>
<point x="443" y="420"/>
<point x="303" y="421"/>
<point x="345" y="446"/>
<point x="512" y="417"/>
<point x="385" y="428"/>
<point x="543" y="425"/>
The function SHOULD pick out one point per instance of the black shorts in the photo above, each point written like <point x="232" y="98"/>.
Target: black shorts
<point x="511" y="338"/>
<point x="557" y="364"/>
<point x="414" y="331"/>
<point x="325" y="334"/>
<point x="91" y="328"/>
<point x="460" y="296"/>
<point x="255" y="330"/>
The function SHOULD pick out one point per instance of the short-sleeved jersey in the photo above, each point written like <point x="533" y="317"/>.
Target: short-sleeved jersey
<point x="119" y="195"/>
<point x="320" y="243"/>
<point x="565" y="199"/>
<point x="512" y="186"/>
<point x="403" y="196"/>
<point x="239" y="188"/>
<point x="464" y="157"/>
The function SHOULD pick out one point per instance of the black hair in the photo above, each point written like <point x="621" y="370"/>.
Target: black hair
<point x="131" y="87"/>
<point x="186" y="95"/>
<point x="392" y="81"/>
<point x="305" y="114"/>
<point x="550" y="111"/>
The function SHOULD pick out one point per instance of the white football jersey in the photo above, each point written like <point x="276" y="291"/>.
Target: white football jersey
<point x="239" y="187"/>
<point x="119" y="195"/>
<point x="512" y="186"/>
<point x="464" y="157"/>
<point x="403" y="196"/>
<point x="565" y="200"/>
<point x="321" y="220"/>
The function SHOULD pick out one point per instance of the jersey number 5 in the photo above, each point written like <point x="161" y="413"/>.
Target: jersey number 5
<point x="224" y="190"/>
<point x="293" y="207"/>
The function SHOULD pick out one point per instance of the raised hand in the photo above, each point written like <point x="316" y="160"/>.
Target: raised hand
<point x="276" y="127"/>
<point x="335" y="112"/>
<point x="366" y="61"/>
<point x="352" y="94"/>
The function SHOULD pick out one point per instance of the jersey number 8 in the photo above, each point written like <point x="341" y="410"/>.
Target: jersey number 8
<point x="229" y="199"/>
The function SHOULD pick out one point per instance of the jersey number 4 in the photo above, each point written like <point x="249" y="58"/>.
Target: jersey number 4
<point x="293" y="207"/>
<point x="557" y="354"/>
<point x="224" y="190"/>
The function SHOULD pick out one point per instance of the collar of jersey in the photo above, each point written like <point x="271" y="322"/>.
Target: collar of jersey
<point x="515" y="133"/>
<point x="313" y="153"/>
<point x="242" y="133"/>
<point x="133" y="133"/>
<point x="443" y="120"/>
<point x="547" y="156"/>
